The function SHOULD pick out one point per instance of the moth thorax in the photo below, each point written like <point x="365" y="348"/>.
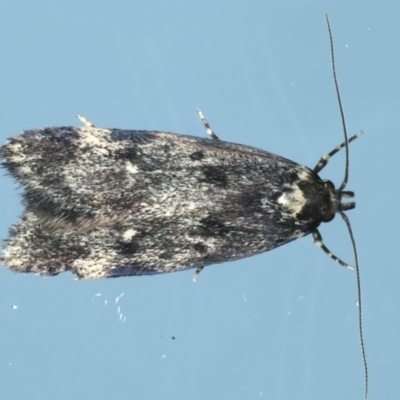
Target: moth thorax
<point x="292" y="200"/>
<point x="307" y="198"/>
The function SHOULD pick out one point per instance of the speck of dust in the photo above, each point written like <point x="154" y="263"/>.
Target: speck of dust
<point x="121" y="316"/>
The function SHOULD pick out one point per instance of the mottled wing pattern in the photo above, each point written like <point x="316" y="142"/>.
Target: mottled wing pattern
<point x="107" y="202"/>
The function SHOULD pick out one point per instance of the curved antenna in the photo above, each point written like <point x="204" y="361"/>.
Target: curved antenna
<point x="346" y="171"/>
<point x="343" y="215"/>
<point x="360" y="323"/>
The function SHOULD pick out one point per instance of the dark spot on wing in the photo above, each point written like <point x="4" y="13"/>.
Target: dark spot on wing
<point x="200" y="247"/>
<point x="252" y="198"/>
<point x="165" y="256"/>
<point x="215" y="175"/>
<point x="212" y="226"/>
<point x="58" y="144"/>
<point x="50" y="208"/>
<point x="133" y="136"/>
<point x="130" y="270"/>
<point x="196" y="156"/>
<point x="127" y="248"/>
<point x="129" y="153"/>
<point x="50" y="268"/>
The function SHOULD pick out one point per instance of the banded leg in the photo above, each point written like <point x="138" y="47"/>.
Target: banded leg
<point x="196" y="273"/>
<point x="85" y="121"/>
<point x="319" y="242"/>
<point x="326" y="157"/>
<point x="209" y="131"/>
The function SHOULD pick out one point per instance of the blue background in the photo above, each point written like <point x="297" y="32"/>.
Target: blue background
<point x="281" y="325"/>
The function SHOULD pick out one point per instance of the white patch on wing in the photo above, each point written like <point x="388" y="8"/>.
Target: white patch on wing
<point x="133" y="169"/>
<point x="128" y="235"/>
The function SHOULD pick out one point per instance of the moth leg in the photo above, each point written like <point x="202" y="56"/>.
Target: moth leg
<point x="319" y="242"/>
<point x="196" y="273"/>
<point x="326" y="157"/>
<point x="85" y="121"/>
<point x="209" y="131"/>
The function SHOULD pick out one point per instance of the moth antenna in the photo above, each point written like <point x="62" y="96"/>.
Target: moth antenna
<point x="360" y="322"/>
<point x="343" y="215"/>
<point x="346" y="171"/>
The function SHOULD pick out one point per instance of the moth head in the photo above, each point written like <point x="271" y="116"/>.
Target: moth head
<point x="336" y="201"/>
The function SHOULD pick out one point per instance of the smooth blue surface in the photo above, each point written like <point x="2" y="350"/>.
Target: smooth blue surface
<point x="282" y="325"/>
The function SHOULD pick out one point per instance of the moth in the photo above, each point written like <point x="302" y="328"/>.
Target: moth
<point x="111" y="202"/>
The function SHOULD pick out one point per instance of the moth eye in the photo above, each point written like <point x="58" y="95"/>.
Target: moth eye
<point x="329" y="217"/>
<point x="329" y="185"/>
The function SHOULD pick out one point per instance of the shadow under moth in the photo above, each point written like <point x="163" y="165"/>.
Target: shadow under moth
<point x="111" y="202"/>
